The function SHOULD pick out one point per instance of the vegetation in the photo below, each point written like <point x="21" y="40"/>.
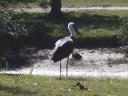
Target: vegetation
<point x="124" y="31"/>
<point x="9" y="31"/>
<point x="76" y="3"/>
<point x="67" y="3"/>
<point x="91" y="24"/>
<point x="18" y="30"/>
<point x="22" y="3"/>
<point x="23" y="85"/>
<point x="98" y="29"/>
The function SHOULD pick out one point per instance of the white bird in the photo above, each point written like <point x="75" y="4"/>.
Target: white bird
<point x="64" y="47"/>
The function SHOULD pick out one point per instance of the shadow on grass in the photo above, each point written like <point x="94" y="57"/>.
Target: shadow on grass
<point x="45" y="29"/>
<point x="37" y="20"/>
<point x="99" y="21"/>
<point x="15" y="90"/>
<point x="104" y="42"/>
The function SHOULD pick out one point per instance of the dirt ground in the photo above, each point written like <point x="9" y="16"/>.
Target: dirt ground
<point x="68" y="9"/>
<point x="101" y="63"/>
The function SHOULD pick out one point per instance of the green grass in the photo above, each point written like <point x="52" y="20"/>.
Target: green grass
<point x="21" y="85"/>
<point x="20" y="3"/>
<point x="75" y="3"/>
<point x="95" y="26"/>
<point x="89" y="23"/>
<point x="70" y="3"/>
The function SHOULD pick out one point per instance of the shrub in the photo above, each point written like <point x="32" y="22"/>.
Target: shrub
<point x="123" y="36"/>
<point x="9" y="30"/>
<point x="44" y="4"/>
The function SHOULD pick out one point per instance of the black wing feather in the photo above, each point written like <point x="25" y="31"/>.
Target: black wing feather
<point x="63" y="51"/>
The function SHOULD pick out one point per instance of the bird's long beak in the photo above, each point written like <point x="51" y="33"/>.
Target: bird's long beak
<point x="77" y="31"/>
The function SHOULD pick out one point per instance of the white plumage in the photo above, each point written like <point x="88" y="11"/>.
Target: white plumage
<point x="62" y="41"/>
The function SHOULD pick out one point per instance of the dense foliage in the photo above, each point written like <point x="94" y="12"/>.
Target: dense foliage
<point x="10" y="30"/>
<point x="124" y="31"/>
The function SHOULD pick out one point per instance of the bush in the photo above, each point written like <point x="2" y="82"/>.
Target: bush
<point x="123" y="36"/>
<point x="44" y="4"/>
<point x="9" y="30"/>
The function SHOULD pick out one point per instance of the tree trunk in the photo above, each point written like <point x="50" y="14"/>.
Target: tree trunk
<point x="56" y="8"/>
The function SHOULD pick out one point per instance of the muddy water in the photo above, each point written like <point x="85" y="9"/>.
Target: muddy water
<point x="104" y="63"/>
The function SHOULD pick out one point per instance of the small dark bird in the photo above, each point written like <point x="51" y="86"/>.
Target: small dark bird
<point x="64" y="47"/>
<point x="80" y="86"/>
<point x="76" y="56"/>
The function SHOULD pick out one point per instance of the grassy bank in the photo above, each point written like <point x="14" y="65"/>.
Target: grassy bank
<point x="68" y="3"/>
<point x="21" y="85"/>
<point x="96" y="27"/>
<point x="76" y="3"/>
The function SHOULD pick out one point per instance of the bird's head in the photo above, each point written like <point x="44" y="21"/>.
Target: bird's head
<point x="71" y="23"/>
<point x="72" y="29"/>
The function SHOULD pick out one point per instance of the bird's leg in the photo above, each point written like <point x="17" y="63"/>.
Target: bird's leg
<point x="60" y="69"/>
<point x="67" y="67"/>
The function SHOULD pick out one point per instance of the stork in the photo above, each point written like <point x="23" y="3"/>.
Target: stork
<point x="64" y="47"/>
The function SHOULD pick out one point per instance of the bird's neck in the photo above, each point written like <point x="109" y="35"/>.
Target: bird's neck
<point x="72" y="31"/>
